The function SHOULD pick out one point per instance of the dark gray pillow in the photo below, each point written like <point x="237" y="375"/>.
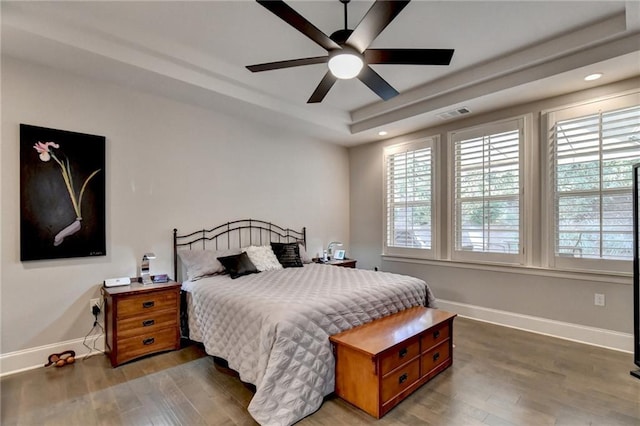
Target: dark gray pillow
<point x="288" y="254"/>
<point x="238" y="265"/>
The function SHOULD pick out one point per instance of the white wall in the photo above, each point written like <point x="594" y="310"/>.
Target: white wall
<point x="168" y="165"/>
<point x="566" y="300"/>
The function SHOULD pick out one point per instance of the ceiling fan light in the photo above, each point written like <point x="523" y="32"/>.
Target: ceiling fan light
<point x="345" y="65"/>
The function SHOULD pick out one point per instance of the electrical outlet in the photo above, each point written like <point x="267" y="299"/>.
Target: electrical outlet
<point x="598" y="299"/>
<point x="92" y="303"/>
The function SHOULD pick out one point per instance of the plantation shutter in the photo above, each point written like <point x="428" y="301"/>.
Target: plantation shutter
<point x="593" y="157"/>
<point x="409" y="197"/>
<point x="487" y="189"/>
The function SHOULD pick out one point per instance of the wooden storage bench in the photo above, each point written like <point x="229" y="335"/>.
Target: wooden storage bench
<point x="380" y="363"/>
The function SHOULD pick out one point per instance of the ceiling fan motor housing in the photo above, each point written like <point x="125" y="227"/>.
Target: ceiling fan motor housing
<point x="341" y="36"/>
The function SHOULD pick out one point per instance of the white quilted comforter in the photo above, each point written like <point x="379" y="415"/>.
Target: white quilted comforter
<point x="273" y="327"/>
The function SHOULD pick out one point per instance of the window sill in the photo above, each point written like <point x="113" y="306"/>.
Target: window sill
<point x="598" y="276"/>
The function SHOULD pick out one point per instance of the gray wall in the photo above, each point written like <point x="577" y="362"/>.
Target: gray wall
<point x="540" y="294"/>
<point x="168" y="165"/>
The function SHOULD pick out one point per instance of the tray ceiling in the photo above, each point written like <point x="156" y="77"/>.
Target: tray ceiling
<point x="506" y="52"/>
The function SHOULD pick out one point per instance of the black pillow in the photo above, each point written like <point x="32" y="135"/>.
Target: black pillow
<point x="288" y="254"/>
<point x="238" y="265"/>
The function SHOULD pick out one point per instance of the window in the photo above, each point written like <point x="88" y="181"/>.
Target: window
<point x="592" y="151"/>
<point x="408" y="199"/>
<point x="487" y="181"/>
<point x="560" y="201"/>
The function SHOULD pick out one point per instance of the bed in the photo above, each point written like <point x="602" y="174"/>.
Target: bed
<point x="272" y="327"/>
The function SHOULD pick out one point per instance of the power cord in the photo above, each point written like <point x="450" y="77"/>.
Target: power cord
<point x="95" y="311"/>
<point x="96" y="331"/>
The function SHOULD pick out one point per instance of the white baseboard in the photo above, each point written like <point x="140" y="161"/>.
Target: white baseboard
<point x="15" y="362"/>
<point x="578" y="333"/>
<point x="28" y="359"/>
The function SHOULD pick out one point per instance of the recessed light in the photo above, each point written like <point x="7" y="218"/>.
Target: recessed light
<point x="382" y="133"/>
<point x="592" y="77"/>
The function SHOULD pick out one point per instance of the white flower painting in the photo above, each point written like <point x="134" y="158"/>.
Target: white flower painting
<point x="62" y="194"/>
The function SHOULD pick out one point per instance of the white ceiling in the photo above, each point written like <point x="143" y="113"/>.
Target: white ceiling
<point x="506" y="52"/>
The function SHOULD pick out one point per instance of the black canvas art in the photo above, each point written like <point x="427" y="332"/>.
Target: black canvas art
<point x="62" y="194"/>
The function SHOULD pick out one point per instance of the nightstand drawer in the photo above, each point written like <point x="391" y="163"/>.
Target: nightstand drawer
<point x="399" y="355"/>
<point x="143" y="344"/>
<point x="145" y="304"/>
<point x="145" y="324"/>
<point x="435" y="357"/>
<point x="400" y="379"/>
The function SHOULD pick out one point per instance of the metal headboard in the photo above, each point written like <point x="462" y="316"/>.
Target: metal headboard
<point x="238" y="233"/>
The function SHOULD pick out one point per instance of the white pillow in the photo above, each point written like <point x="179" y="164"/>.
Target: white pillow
<point x="201" y="263"/>
<point x="263" y="257"/>
<point x="304" y="256"/>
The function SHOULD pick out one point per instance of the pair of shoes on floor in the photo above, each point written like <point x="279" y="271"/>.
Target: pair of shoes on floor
<point x="62" y="359"/>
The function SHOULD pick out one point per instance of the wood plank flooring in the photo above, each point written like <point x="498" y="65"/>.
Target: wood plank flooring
<point x="500" y="376"/>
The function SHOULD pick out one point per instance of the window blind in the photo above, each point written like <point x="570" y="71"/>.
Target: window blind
<point x="409" y="198"/>
<point x="487" y="193"/>
<point x="593" y="157"/>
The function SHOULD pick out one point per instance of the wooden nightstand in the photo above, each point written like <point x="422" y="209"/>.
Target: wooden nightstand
<point x="345" y="263"/>
<point x="141" y="320"/>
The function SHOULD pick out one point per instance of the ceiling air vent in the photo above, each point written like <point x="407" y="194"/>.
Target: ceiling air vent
<point x="453" y="113"/>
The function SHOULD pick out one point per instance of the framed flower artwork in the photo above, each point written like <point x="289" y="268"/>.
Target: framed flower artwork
<point x="62" y="194"/>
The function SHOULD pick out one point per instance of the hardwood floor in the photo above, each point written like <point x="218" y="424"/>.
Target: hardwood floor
<point x="500" y="376"/>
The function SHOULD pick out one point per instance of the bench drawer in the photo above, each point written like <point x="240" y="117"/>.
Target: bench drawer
<point x="435" y="357"/>
<point x="399" y="355"/>
<point x="435" y="336"/>
<point x="400" y="379"/>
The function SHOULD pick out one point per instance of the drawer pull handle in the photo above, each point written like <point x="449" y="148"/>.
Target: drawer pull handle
<point x="436" y="334"/>
<point x="149" y="304"/>
<point x="403" y="352"/>
<point x="148" y="341"/>
<point x="436" y="356"/>
<point x="147" y="323"/>
<point x="403" y="378"/>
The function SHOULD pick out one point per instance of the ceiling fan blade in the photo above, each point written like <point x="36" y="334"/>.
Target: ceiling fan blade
<point x="297" y="21"/>
<point x="321" y="91"/>
<point x="409" y="56"/>
<point x="376" y="83"/>
<point x="287" y="64"/>
<point x="377" y="18"/>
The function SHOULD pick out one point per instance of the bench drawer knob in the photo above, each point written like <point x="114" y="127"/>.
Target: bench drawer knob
<point x="403" y="378"/>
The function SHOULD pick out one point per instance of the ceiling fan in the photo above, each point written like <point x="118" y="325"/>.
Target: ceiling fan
<point x="349" y="55"/>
